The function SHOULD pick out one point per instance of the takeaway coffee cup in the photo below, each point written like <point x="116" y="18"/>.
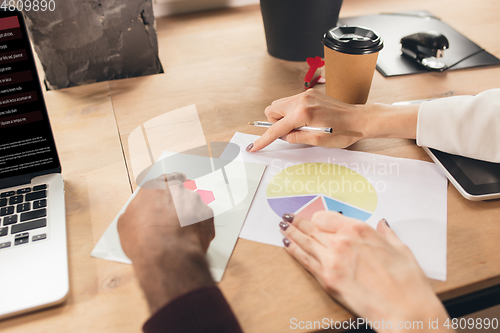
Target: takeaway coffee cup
<point x="350" y="58"/>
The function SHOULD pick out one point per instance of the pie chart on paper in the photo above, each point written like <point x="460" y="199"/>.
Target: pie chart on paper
<point x="304" y="189"/>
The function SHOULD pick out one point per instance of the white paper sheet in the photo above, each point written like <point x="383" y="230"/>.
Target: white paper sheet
<point x="410" y="194"/>
<point x="233" y="197"/>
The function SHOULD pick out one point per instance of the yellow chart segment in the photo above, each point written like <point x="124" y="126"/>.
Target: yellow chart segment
<point x="333" y="180"/>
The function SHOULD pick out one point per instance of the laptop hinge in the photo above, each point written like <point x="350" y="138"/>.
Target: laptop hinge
<point x="25" y="179"/>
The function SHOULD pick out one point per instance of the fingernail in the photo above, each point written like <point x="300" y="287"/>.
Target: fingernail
<point x="288" y="218"/>
<point x="284" y="225"/>
<point x="286" y="242"/>
<point x="385" y="221"/>
<point x="249" y="147"/>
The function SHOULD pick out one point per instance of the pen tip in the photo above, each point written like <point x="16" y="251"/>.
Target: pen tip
<point x="250" y="123"/>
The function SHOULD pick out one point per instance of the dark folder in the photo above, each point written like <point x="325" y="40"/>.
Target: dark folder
<point x="463" y="53"/>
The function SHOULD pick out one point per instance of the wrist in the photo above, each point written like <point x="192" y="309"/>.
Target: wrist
<point x="173" y="273"/>
<point x="391" y="121"/>
<point x="354" y="121"/>
<point x="421" y="317"/>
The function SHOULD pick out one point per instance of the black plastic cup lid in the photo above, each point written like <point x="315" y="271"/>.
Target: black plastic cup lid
<point x="353" y="40"/>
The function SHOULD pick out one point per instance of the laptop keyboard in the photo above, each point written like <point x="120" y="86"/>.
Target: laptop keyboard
<point x="22" y="211"/>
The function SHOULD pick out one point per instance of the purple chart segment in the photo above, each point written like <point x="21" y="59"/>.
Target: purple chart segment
<point x="289" y="204"/>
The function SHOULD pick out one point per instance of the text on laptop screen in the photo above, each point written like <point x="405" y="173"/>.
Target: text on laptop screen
<point x="26" y="141"/>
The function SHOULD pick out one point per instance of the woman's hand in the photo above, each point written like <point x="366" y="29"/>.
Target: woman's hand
<point x="312" y="108"/>
<point x="371" y="272"/>
<point x="350" y="123"/>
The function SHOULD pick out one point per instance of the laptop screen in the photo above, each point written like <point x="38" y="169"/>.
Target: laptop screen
<point x="26" y="141"/>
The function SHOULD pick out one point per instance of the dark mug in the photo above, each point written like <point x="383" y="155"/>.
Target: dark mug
<point x="294" y="28"/>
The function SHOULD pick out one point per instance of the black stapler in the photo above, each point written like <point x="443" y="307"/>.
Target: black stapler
<point x="426" y="48"/>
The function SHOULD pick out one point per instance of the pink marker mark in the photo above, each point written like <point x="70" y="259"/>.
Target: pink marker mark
<point x="190" y="185"/>
<point x="206" y="196"/>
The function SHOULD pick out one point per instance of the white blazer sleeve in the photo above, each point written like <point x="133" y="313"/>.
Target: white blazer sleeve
<point x="462" y="125"/>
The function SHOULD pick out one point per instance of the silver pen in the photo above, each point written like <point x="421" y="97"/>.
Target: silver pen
<point x="328" y="130"/>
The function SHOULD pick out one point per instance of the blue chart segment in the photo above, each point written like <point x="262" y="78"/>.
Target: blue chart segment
<point x="347" y="210"/>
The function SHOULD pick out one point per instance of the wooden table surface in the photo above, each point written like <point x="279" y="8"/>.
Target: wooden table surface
<point x="218" y="61"/>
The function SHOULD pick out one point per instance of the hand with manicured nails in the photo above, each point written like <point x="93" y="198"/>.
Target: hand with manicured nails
<point x="371" y="272"/>
<point x="350" y="123"/>
<point x="310" y="108"/>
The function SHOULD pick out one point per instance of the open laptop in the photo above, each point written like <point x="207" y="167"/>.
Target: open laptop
<point x="33" y="250"/>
